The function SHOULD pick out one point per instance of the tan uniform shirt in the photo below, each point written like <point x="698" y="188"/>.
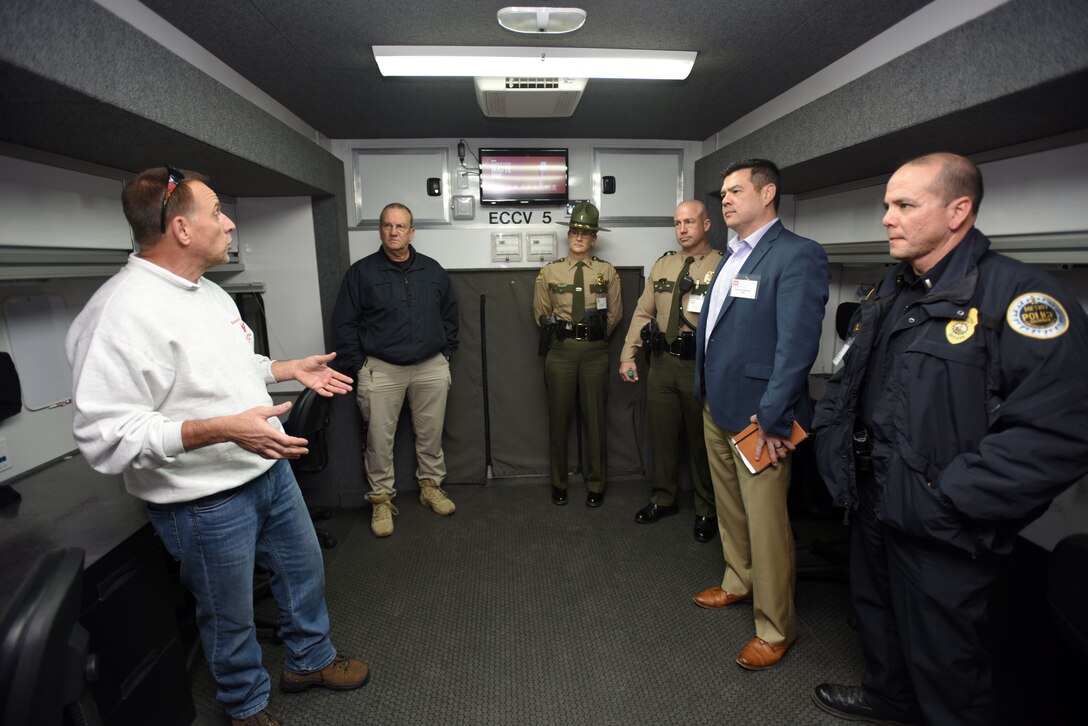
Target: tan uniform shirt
<point x="656" y="298"/>
<point x="554" y="284"/>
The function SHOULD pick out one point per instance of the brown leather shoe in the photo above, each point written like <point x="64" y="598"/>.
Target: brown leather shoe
<point x="715" y="598"/>
<point x="342" y="674"/>
<point x="759" y="654"/>
<point x="262" y="718"/>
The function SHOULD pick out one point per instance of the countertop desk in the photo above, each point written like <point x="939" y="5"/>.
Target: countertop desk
<point x="66" y="504"/>
<point x="130" y="603"/>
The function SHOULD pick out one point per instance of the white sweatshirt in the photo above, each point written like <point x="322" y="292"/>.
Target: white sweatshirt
<point x="149" y="351"/>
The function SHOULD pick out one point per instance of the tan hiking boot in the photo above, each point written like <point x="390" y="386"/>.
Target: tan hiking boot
<point x="263" y="717"/>
<point x="433" y="496"/>
<point x="343" y="674"/>
<point x="381" y="516"/>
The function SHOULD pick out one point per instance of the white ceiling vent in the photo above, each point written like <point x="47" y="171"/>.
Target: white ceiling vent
<point x="529" y="97"/>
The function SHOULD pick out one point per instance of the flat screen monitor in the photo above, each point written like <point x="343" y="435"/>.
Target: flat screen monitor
<point x="523" y="176"/>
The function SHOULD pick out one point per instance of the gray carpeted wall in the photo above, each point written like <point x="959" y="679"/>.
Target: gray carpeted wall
<point x="497" y="403"/>
<point x="1014" y="75"/>
<point x="81" y="83"/>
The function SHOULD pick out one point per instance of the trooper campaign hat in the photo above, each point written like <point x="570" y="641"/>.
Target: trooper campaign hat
<point x="585" y="216"/>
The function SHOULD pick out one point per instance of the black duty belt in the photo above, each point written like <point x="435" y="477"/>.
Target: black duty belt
<point x="683" y="347"/>
<point x="579" y="331"/>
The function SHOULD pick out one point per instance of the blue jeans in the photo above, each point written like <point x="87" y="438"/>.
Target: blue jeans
<point x="217" y="540"/>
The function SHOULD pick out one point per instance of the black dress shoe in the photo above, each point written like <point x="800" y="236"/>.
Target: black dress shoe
<point x="594" y="499"/>
<point x="705" y="528"/>
<point x="849" y="702"/>
<point x="653" y="512"/>
<point x="559" y="496"/>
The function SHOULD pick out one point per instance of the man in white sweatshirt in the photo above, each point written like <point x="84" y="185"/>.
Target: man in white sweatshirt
<point x="169" y="392"/>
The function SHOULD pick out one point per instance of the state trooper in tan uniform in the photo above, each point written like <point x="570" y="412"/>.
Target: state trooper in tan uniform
<point x="577" y="305"/>
<point x="663" y="325"/>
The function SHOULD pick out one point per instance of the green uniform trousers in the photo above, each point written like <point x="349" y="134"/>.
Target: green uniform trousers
<point x="577" y="368"/>
<point x="670" y="394"/>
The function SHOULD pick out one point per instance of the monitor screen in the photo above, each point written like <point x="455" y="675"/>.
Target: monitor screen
<point x="523" y="176"/>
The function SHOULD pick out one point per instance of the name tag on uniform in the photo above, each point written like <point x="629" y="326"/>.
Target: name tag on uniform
<point x="602" y="302"/>
<point x="747" y="288"/>
<point x="695" y="303"/>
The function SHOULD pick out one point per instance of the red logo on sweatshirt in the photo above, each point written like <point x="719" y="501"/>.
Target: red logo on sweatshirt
<point x="248" y="334"/>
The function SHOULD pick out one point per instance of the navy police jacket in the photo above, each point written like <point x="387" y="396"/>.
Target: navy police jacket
<point x="990" y="402"/>
<point x="398" y="314"/>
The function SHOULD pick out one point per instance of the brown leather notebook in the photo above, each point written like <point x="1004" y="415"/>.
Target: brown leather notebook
<point x="746" y="441"/>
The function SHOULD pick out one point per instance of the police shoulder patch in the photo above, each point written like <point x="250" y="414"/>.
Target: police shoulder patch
<point x="1037" y="315"/>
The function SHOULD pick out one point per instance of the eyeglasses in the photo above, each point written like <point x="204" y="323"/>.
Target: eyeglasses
<point x="576" y="233"/>
<point x="389" y="227"/>
<point x="173" y="179"/>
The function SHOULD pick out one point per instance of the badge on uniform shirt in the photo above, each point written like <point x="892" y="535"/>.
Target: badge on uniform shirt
<point x="958" y="331"/>
<point x="602" y="296"/>
<point x="708" y="277"/>
<point x="1037" y="315"/>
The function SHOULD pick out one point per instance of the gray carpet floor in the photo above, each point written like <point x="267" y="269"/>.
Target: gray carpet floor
<point x="515" y="611"/>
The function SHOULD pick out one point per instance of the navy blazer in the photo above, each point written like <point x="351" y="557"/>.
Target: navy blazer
<point x="760" y="351"/>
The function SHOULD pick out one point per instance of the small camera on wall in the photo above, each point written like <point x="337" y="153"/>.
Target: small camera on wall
<point x="572" y="203"/>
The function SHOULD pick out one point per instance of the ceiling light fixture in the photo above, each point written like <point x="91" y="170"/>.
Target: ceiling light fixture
<point x="541" y="20"/>
<point x="450" y="60"/>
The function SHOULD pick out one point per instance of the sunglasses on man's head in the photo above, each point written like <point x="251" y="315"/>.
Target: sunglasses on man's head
<point x="173" y="179"/>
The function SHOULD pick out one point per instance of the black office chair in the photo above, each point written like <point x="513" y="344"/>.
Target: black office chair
<point x="1067" y="591"/>
<point x="44" y="660"/>
<point x="308" y="419"/>
<point x="811" y="494"/>
<point x="11" y="403"/>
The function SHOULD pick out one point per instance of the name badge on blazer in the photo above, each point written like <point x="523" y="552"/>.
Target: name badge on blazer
<point x="746" y="287"/>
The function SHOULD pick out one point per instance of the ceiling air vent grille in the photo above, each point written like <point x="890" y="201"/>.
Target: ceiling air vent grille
<point x="538" y="83"/>
<point x="509" y="97"/>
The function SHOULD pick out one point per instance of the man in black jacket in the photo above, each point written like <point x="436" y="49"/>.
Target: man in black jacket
<point x="959" y="414"/>
<point x="395" y="330"/>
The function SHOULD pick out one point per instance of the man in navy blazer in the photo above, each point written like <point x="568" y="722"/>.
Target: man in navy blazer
<point x="756" y="341"/>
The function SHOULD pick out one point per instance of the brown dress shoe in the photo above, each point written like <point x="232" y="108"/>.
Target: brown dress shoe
<point x="715" y="598"/>
<point x="342" y="674"/>
<point x="262" y="718"/>
<point x="759" y="654"/>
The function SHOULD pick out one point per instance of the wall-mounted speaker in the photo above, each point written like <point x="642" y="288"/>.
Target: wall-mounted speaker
<point x="434" y="187"/>
<point x="608" y="184"/>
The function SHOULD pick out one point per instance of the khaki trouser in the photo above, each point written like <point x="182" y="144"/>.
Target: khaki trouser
<point x="757" y="541"/>
<point x="381" y="391"/>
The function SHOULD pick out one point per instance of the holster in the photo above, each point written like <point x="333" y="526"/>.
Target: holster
<point x="863" y="452"/>
<point x="653" y="340"/>
<point x="547" y="332"/>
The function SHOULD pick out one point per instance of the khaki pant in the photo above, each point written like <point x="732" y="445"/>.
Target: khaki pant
<point x="757" y="541"/>
<point x="381" y="391"/>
